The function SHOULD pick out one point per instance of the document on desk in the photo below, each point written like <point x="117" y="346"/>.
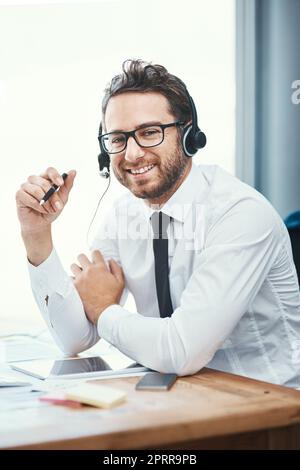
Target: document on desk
<point x="18" y="400"/>
<point x="17" y="348"/>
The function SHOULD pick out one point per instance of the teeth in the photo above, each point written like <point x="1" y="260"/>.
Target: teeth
<point x="142" y="170"/>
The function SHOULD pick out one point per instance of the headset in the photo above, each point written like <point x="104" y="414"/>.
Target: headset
<point x="103" y="157"/>
<point x="193" y="139"/>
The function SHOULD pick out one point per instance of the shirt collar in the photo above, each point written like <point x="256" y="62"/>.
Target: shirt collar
<point x="179" y="204"/>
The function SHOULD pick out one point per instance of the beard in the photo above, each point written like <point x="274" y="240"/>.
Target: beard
<point x="169" y="171"/>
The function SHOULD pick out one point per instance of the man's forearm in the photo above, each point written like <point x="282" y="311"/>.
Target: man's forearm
<point x="61" y="306"/>
<point x="38" y="246"/>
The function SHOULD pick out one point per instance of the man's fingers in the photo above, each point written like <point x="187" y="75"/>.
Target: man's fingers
<point x="67" y="186"/>
<point x="70" y="180"/>
<point x="97" y="258"/>
<point x="38" y="190"/>
<point x="116" y="270"/>
<point x="33" y="190"/>
<point x="53" y="177"/>
<point x="75" y="269"/>
<point x="37" y="186"/>
<point x="25" y="199"/>
<point x="84" y="261"/>
<point x="38" y="181"/>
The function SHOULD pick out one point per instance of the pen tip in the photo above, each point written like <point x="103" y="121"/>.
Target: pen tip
<point x="42" y="202"/>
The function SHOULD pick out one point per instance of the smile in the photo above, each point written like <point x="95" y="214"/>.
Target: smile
<point x="142" y="170"/>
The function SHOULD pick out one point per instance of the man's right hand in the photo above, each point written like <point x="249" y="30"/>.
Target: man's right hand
<point x="35" y="219"/>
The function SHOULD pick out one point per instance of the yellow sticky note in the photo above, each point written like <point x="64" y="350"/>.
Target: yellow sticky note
<point x="95" y="395"/>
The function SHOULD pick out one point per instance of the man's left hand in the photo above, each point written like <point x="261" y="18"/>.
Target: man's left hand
<point x="98" y="286"/>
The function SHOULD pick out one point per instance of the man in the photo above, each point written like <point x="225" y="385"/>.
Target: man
<point x="216" y="286"/>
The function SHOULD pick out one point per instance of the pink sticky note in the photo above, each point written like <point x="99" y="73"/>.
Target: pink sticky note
<point x="59" y="398"/>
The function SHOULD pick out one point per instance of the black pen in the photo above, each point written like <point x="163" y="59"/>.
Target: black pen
<point x="52" y="190"/>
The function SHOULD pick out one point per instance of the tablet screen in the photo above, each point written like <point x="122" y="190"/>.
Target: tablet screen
<point x="78" y="366"/>
<point x="107" y="364"/>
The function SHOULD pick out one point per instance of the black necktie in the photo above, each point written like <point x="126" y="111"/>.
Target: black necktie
<point x="160" y="222"/>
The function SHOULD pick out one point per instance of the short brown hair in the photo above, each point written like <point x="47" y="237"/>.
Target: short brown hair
<point x="141" y="76"/>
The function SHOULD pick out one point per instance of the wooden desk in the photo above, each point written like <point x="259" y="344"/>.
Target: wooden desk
<point x="207" y="411"/>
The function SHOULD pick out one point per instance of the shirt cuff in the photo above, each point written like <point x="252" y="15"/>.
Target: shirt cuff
<point x="108" y="322"/>
<point x="50" y="276"/>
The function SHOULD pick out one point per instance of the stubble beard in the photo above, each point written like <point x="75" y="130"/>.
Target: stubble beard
<point x="170" y="172"/>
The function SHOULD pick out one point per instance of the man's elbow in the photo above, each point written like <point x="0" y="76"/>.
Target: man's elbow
<point x="189" y="368"/>
<point x="189" y="362"/>
<point x="70" y="344"/>
<point x="72" y="349"/>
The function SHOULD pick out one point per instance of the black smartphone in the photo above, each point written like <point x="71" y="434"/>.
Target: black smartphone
<point x="156" y="381"/>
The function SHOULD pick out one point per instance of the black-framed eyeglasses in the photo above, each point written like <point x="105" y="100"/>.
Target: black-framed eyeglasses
<point x="145" y="136"/>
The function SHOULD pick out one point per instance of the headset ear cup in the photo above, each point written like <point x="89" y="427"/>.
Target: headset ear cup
<point x="191" y="143"/>
<point x="199" y="140"/>
<point x="188" y="148"/>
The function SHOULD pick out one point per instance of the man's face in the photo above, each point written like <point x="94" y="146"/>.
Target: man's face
<point x="129" y="111"/>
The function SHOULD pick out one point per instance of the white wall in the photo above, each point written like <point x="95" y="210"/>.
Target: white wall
<point x="55" y="59"/>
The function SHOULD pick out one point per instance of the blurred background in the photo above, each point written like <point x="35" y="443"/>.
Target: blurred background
<point x="239" y="59"/>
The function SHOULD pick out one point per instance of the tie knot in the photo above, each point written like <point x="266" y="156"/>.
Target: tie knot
<point x="160" y="223"/>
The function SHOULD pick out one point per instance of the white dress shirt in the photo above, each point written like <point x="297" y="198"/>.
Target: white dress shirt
<point x="233" y="285"/>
